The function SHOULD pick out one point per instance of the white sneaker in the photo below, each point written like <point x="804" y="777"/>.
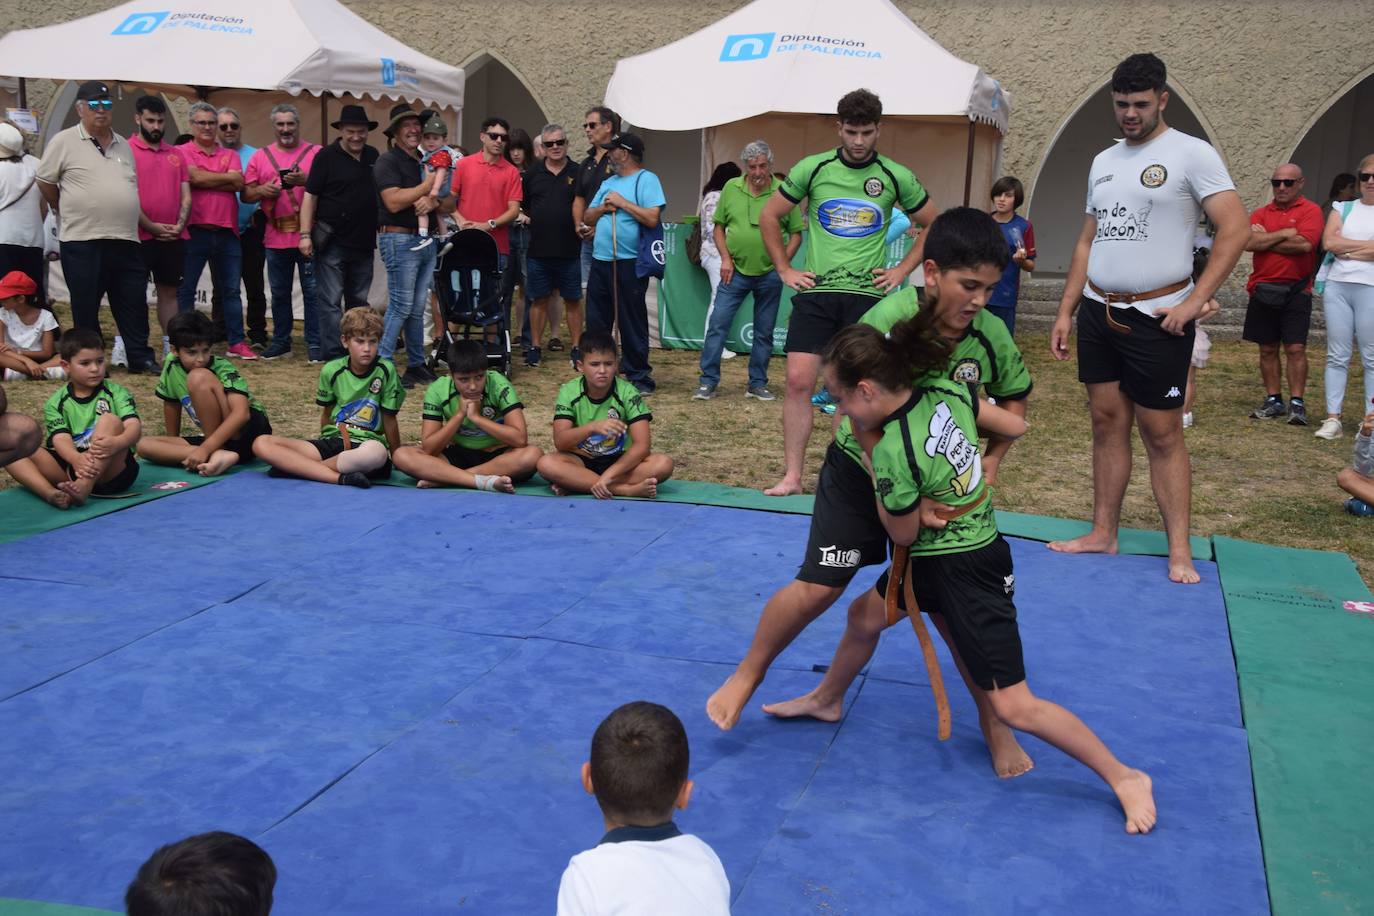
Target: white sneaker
<point x="1188" y="420"/>
<point x="117" y="356"/>
<point x="1330" y="429"/>
<point x="728" y="354"/>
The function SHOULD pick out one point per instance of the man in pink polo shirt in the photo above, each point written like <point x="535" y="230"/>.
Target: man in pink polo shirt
<point x="216" y="177"/>
<point x="275" y="179"/>
<point x="486" y="195"/>
<point x="164" y="200"/>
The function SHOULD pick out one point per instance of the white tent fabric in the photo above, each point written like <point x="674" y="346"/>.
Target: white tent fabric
<point x="190" y="48"/>
<point x="790" y="56"/>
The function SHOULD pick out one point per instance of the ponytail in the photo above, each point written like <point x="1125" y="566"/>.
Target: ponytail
<point x="910" y="349"/>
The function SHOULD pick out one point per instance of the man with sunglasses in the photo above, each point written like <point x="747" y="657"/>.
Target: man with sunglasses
<point x="87" y="174"/>
<point x="555" y="249"/>
<point x="1284" y="234"/>
<point x="251" y="225"/>
<point x="600" y="124"/>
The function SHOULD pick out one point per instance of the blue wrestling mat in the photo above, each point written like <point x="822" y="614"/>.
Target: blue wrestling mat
<point x="392" y="692"/>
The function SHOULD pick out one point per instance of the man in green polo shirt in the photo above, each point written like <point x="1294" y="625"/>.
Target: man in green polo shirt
<point x="746" y="268"/>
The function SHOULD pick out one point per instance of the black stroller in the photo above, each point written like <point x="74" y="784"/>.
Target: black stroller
<point x="468" y="282"/>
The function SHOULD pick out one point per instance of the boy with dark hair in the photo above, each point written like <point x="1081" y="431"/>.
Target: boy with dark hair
<point x="92" y="425"/>
<point x="601" y="431"/>
<point x="210" y="391"/>
<point x="211" y="874"/>
<point x="474" y="431"/>
<point x="1007" y="197"/>
<point x="359" y="395"/>
<point x="644" y="863"/>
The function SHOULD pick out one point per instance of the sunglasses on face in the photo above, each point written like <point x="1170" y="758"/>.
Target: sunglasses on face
<point x="1282" y="182"/>
<point x="499" y="138"/>
<point x="99" y="104"/>
<point x="1367" y="176"/>
<point x="556" y="142"/>
<point x="226" y="127"/>
<point x="591" y="125"/>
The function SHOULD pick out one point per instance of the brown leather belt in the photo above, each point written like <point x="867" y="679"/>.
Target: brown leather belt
<point x="1128" y="298"/>
<point x="407" y="230"/>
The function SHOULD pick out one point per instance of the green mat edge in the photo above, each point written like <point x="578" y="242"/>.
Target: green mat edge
<point x="10" y="906"/>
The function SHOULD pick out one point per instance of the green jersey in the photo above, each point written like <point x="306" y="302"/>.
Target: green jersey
<point x="737" y="212"/>
<point x="930" y="448"/>
<point x="622" y="402"/>
<point x="849" y="207"/>
<point x="172" y="385"/>
<point x="64" y="412"/>
<point x="358" y="401"/>
<point x="442" y="401"/>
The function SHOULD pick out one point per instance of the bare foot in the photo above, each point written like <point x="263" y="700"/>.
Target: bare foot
<point x="503" y="485"/>
<point x="58" y="499"/>
<point x="75" y="489"/>
<point x="807" y="705"/>
<point x="1183" y="571"/>
<point x="1135" y="791"/>
<point x="557" y="490"/>
<point x="785" y="487"/>
<point x="728" y="701"/>
<point x="1088" y="543"/>
<point x="1008" y="758"/>
<point x="427" y="485"/>
<point x="645" y="489"/>
<point x="221" y="461"/>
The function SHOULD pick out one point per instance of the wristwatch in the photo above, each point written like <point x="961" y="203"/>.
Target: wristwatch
<point x="492" y="224"/>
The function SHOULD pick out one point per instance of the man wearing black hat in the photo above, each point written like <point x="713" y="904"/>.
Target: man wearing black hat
<point x="339" y="224"/>
<point x="630" y="199"/>
<point x="87" y="175"/>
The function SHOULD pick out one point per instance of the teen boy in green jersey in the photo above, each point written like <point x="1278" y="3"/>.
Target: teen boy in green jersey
<point x="850" y="193"/>
<point x="92" y="425"/>
<point x="360" y="396"/>
<point x="474" y="428"/>
<point x="601" y="431"/>
<point x="212" y="394"/>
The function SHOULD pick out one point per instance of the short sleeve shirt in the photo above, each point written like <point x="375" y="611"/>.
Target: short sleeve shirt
<point x="64" y="412"/>
<point x="738" y="212"/>
<point x="171" y="386"/>
<point x="929" y="447"/>
<point x="397" y="169"/>
<point x="442" y="401"/>
<point x="849" y="206"/>
<point x="210" y="206"/>
<point x="1276" y="267"/>
<point x="549" y="203"/>
<point x="261" y="171"/>
<point x="484" y="191"/>
<point x="346" y="196"/>
<point x="1019" y="234"/>
<point x="23" y="336"/>
<point x="99" y="186"/>
<point x="161" y="173"/>
<point x="591" y="173"/>
<point x="622" y="402"/>
<point x="358" y="401"/>
<point x="642" y="189"/>
<point x="1147" y="199"/>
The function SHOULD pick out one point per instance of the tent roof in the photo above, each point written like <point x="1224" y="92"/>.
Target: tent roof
<point x="294" y="46"/>
<point x="800" y="56"/>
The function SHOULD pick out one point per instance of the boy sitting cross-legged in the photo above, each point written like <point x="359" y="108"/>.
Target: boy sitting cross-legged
<point x="474" y="428"/>
<point x="91" y="425"/>
<point x="213" y="395"/>
<point x="601" y="431"/>
<point x="360" y="395"/>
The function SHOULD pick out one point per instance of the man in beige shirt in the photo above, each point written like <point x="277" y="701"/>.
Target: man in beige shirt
<point x="87" y="175"/>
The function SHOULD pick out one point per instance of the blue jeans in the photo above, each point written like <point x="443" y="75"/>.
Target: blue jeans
<point x="409" y="275"/>
<point x="221" y="248"/>
<point x="281" y="264"/>
<point x="343" y="277"/>
<point x="767" y="290"/>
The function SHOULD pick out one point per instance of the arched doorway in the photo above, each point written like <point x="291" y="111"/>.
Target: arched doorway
<point x="1338" y="137"/>
<point x="494" y="89"/>
<point x="1057" y="202"/>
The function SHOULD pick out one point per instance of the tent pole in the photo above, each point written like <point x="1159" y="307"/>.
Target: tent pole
<point x="968" y="164"/>
<point x="23" y="94"/>
<point x="324" y="119"/>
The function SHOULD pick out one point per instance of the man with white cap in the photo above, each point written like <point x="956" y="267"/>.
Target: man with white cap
<point x="21" y="216"/>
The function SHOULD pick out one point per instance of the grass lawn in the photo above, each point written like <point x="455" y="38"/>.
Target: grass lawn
<point x="1260" y="480"/>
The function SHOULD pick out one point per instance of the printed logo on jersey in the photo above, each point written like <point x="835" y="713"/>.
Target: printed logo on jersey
<point x="102" y="406"/>
<point x="873" y="186"/>
<point x="1118" y="224"/>
<point x="489" y="412"/>
<point x="363" y="413"/>
<point x="948" y="440"/>
<point x="884" y="487"/>
<point x="847" y="218"/>
<point x="1009" y="585"/>
<point x="838" y="558"/>
<point x="600" y="445"/>
<point x="83" y="441"/>
<point x="1154" y="175"/>
<point x="190" y="409"/>
<point x="967" y="370"/>
<point x="376" y="386"/>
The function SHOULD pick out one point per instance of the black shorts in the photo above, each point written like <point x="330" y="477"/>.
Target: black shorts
<point x="598" y="465"/>
<point x="817" y="317"/>
<point x="257" y="425"/>
<point x="846" y="533"/>
<point x="1150" y="363"/>
<point x="164" y="261"/>
<point x="467" y="458"/>
<point x="328" y="448"/>
<point x="1287" y="323"/>
<point x="120" y="483"/>
<point x="973" y="592"/>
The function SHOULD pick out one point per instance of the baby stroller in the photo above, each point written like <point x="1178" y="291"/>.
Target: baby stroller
<point x="467" y="281"/>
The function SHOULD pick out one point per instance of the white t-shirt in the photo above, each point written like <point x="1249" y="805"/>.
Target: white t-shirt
<point x="677" y="875"/>
<point x="26" y="336"/>
<point x="21" y="222"/>
<point x="707" y="212"/>
<point x="1358" y="227"/>
<point x="1147" y="199"/>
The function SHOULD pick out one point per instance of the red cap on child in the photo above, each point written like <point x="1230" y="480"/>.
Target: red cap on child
<point x="17" y="283"/>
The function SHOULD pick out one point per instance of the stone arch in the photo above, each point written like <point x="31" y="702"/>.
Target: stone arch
<point x="1060" y="189"/>
<point x="494" y="87"/>
<point x="1335" y="140"/>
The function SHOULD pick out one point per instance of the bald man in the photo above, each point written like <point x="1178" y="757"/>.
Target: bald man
<point x="1283" y="235"/>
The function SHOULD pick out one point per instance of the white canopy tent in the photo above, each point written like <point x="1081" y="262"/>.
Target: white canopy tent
<point x="766" y="71"/>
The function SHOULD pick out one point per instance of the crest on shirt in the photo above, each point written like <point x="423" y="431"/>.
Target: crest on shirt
<point x="612" y="413"/>
<point x="102" y="406"/>
<point x="884" y="487"/>
<point x="1154" y="175"/>
<point x="376" y="385"/>
<point x="873" y="187"/>
<point x="967" y="370"/>
<point x="489" y="412"/>
<point x="946" y="439"/>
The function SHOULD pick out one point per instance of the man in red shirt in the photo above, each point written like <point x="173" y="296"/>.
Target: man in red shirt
<point x="164" y="200"/>
<point x="1283" y="235"/>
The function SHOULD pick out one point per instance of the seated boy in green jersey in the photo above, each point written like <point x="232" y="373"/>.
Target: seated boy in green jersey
<point x="601" y="431"/>
<point x="360" y="396"/>
<point x="210" y="392"/>
<point x="474" y="428"/>
<point x="91" y="425"/>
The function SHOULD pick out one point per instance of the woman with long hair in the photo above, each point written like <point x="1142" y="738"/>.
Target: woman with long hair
<point x="710" y="256"/>
<point x="1348" y="300"/>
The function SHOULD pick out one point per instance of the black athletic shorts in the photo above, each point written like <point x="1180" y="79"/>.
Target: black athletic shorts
<point x="1287" y="323"/>
<point x="120" y="483"/>
<point x="164" y="261"/>
<point x="466" y="458"/>
<point x="334" y="445"/>
<point x="846" y="533"/>
<point x="817" y="317"/>
<point x="257" y="425"/>
<point x="598" y="465"/>
<point x="1150" y="363"/>
<point x="973" y="592"/>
